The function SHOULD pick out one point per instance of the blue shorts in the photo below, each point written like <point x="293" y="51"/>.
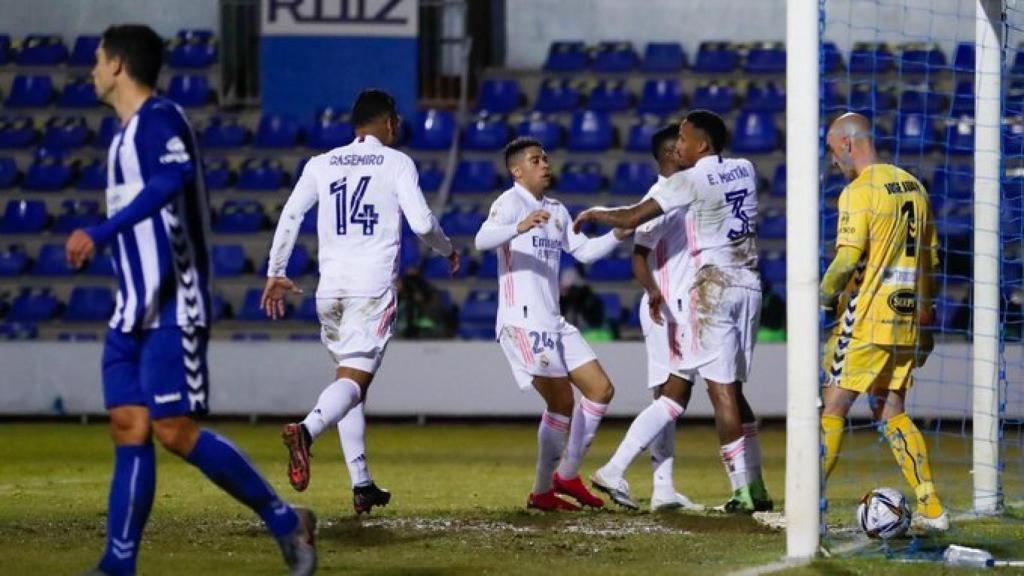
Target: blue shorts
<point x="163" y="369"/>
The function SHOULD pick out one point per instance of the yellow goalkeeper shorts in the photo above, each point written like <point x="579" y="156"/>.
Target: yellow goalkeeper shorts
<point x="860" y="366"/>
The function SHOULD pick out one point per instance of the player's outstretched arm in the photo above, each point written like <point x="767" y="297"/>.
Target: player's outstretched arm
<point x="626" y="218"/>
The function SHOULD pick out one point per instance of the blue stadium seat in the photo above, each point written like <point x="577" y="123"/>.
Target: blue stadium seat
<point x="1018" y="62"/>
<point x="772" y="225"/>
<point x="224" y="132"/>
<point x="963" y="100"/>
<point x="832" y="59"/>
<point x="83" y="52"/>
<point x="277" y="131"/>
<point x="557" y="95"/>
<point x="42" y="50"/>
<point x="614" y="57"/>
<point x="190" y="90"/>
<point x="195" y="35"/>
<point x="435" y="267"/>
<point x="567" y="56"/>
<point x="640" y="133"/>
<point x="591" y="132"/>
<point x="9" y="173"/>
<point x="773" y="267"/>
<point x="34" y="306"/>
<point x="547" y="131"/>
<point x="929" y="101"/>
<point x="408" y="251"/>
<point x="613" y="310"/>
<point x="663" y="57"/>
<point x="52" y="261"/>
<point x="48" y="173"/>
<point x="871" y="58"/>
<point x="715" y="97"/>
<point x="633" y="177"/>
<point x="755" y="133"/>
<point x="580" y="178"/>
<point x="766" y="58"/>
<point x="192" y="55"/>
<point x="24" y="217"/>
<point x="488" y="269"/>
<point x="217" y="174"/>
<point x="868" y="99"/>
<point x="660" y="96"/>
<point x="766" y="97"/>
<point x="65" y="132"/>
<point x="78" y="93"/>
<point x="13" y="261"/>
<point x="101" y="265"/>
<point x="298" y="264"/>
<point x="963" y="59"/>
<point x="477" y="315"/>
<point x="1013" y="139"/>
<point x="462" y="220"/>
<point x="77" y="214"/>
<point x="486" y="132"/>
<point x="5" y="48"/>
<point x="251" y="311"/>
<point x="953" y="184"/>
<point x="17" y="132"/>
<point x="499" y="95"/>
<point x="431" y="176"/>
<point x="954" y="226"/>
<point x="918" y="59"/>
<point x="264" y="174"/>
<point x="330" y="129"/>
<point x="475" y="176"/>
<point x="611" y="269"/>
<point x="915" y="134"/>
<point x="833" y="96"/>
<point x="433" y="130"/>
<point x="960" y="137"/>
<point x="240" y="217"/>
<point x="306" y="311"/>
<point x="778" y="188"/>
<point x="715" y="58"/>
<point x="109" y="127"/>
<point x="30" y="91"/>
<point x="610" y="96"/>
<point x="228" y="260"/>
<point x="18" y="331"/>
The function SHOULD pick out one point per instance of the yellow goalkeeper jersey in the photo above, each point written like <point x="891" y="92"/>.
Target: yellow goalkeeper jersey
<point x="885" y="212"/>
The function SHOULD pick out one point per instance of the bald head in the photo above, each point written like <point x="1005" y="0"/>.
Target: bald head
<point x="849" y="141"/>
<point x="851" y="125"/>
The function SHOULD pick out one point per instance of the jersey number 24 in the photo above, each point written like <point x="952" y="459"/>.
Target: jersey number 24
<point x="353" y="211"/>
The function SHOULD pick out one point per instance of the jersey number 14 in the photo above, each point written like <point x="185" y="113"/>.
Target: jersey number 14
<point x="353" y="211"/>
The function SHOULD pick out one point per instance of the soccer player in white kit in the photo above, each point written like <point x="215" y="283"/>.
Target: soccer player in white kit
<point x="720" y="195"/>
<point x="530" y="231"/>
<point x="363" y="190"/>
<point x="663" y="312"/>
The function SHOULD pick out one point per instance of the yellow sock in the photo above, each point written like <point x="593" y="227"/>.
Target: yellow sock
<point x="911" y="454"/>
<point x="832" y="434"/>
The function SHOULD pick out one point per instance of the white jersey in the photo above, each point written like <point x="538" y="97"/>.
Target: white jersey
<point x="665" y="237"/>
<point x="363" y="189"/>
<point x="528" y="263"/>
<point x="720" y="195"/>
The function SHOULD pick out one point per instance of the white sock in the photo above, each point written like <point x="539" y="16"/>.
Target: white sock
<point x="585" y="418"/>
<point x="663" y="451"/>
<point x="352" y="433"/>
<point x="643" y="431"/>
<point x="750" y="430"/>
<point x="551" y="437"/>
<point x="735" y="459"/>
<point x="334" y="402"/>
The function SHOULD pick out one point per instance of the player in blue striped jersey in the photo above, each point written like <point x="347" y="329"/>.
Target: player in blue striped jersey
<point x="154" y="358"/>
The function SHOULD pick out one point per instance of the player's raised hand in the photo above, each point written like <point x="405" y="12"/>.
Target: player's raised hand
<point x="79" y="248"/>
<point x="273" y="300"/>
<point x="454" y="262"/>
<point x="532" y="220"/>
<point x="583" y="217"/>
<point x="654" y="303"/>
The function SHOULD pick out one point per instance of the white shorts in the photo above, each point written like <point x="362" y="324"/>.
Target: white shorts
<point x="533" y="353"/>
<point x="357" y="330"/>
<point x="664" y="344"/>
<point x="719" y="344"/>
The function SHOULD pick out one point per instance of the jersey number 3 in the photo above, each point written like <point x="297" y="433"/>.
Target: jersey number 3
<point x="736" y="198"/>
<point x="353" y="211"/>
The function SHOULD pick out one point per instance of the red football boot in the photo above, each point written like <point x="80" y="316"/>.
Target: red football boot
<point x="575" y="488"/>
<point x="549" y="502"/>
<point x="298" y="455"/>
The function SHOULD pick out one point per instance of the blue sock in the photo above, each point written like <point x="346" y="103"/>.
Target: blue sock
<point x="222" y="462"/>
<point x="131" y="499"/>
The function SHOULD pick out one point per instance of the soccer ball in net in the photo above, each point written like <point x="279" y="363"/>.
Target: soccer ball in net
<point x="883" y="513"/>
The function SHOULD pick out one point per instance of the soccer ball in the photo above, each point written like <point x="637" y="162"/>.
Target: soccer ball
<point x="883" y="513"/>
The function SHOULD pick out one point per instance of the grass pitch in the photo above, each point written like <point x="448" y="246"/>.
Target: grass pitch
<point x="458" y="507"/>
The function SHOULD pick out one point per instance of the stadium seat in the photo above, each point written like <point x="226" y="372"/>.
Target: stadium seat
<point x="34" y="306"/>
<point x="778" y="187"/>
<point x="867" y="98"/>
<point x="52" y="261"/>
<point x="663" y="57"/>
<point x="833" y="96"/>
<point x="5" y="49"/>
<point x="309" y="222"/>
<point x="1013" y="139"/>
<point x="499" y="95"/>
<point x="298" y="264"/>
<point x="77" y="214"/>
<point x="611" y="269"/>
<point x="83" y="52"/>
<point x="773" y="267"/>
<point x="580" y="178"/>
<point x="30" y="91"/>
<point x="264" y="174"/>
<point x="48" y="173"/>
<point x="228" y="260"/>
<point x="871" y="58"/>
<point x="917" y="58"/>
<point x="610" y="96"/>
<point x="766" y="97"/>
<point x="24" y="217"/>
<point x="431" y="176"/>
<point x="613" y="310"/>
<point x="240" y="217"/>
<point x="660" y="96"/>
<point x="462" y="221"/>
<point x="190" y="90"/>
<point x="13" y="261"/>
<point x="640" y="133"/>
<point x="78" y="93"/>
<point x="192" y="55"/>
<point x="477" y="315"/>
<point x="719" y="98"/>
<point x="306" y="312"/>
<point x="18" y="331"/>
<point x="557" y="95"/>
<point x="755" y="133"/>
<point x="433" y="130"/>
<point x="65" y="132"/>
<point x="590" y="132"/>
<point x="963" y="58"/>
<point x="486" y="133"/>
<point x="109" y="127"/>
<point x="929" y="101"/>
<point x="17" y="132"/>
<point x="409" y="250"/>
<point x="217" y="174"/>
<point x="715" y="58"/>
<point x="766" y="58"/>
<point x="614" y="58"/>
<point x="89" y="304"/>
<point x="42" y="50"/>
<point x="435" y="267"/>
<point x="330" y="129"/>
<point x="277" y="131"/>
<point x="960" y="136"/>
<point x="102" y="264"/>
<point x="475" y="176"/>
<point x="547" y="131"/>
<point x="772" y="225"/>
<point x="915" y="134"/>
<point x="567" y="56"/>
<point x="952" y="184"/>
<point x="832" y="59"/>
<point x="1018" y="62"/>
<point x="224" y="132"/>
<point x="633" y="178"/>
<point x="9" y="173"/>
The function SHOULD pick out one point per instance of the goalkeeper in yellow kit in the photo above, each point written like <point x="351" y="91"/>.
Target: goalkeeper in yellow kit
<point x="880" y="286"/>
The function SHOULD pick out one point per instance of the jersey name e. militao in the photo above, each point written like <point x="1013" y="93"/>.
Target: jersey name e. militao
<point x="665" y="237"/>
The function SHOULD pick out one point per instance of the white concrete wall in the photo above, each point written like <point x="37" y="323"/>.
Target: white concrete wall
<point x="70" y="18"/>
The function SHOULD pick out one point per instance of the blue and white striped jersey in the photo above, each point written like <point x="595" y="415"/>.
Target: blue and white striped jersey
<point x="158" y="222"/>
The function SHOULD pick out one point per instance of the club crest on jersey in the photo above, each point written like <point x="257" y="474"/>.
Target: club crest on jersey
<point x="176" y="151"/>
<point x="559" y="225"/>
<point x="544" y="361"/>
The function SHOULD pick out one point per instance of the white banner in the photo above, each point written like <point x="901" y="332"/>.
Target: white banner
<point x="367" y="18"/>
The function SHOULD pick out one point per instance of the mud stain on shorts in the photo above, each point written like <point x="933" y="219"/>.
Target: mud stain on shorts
<point x="332" y="321"/>
<point x="709" y="286"/>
